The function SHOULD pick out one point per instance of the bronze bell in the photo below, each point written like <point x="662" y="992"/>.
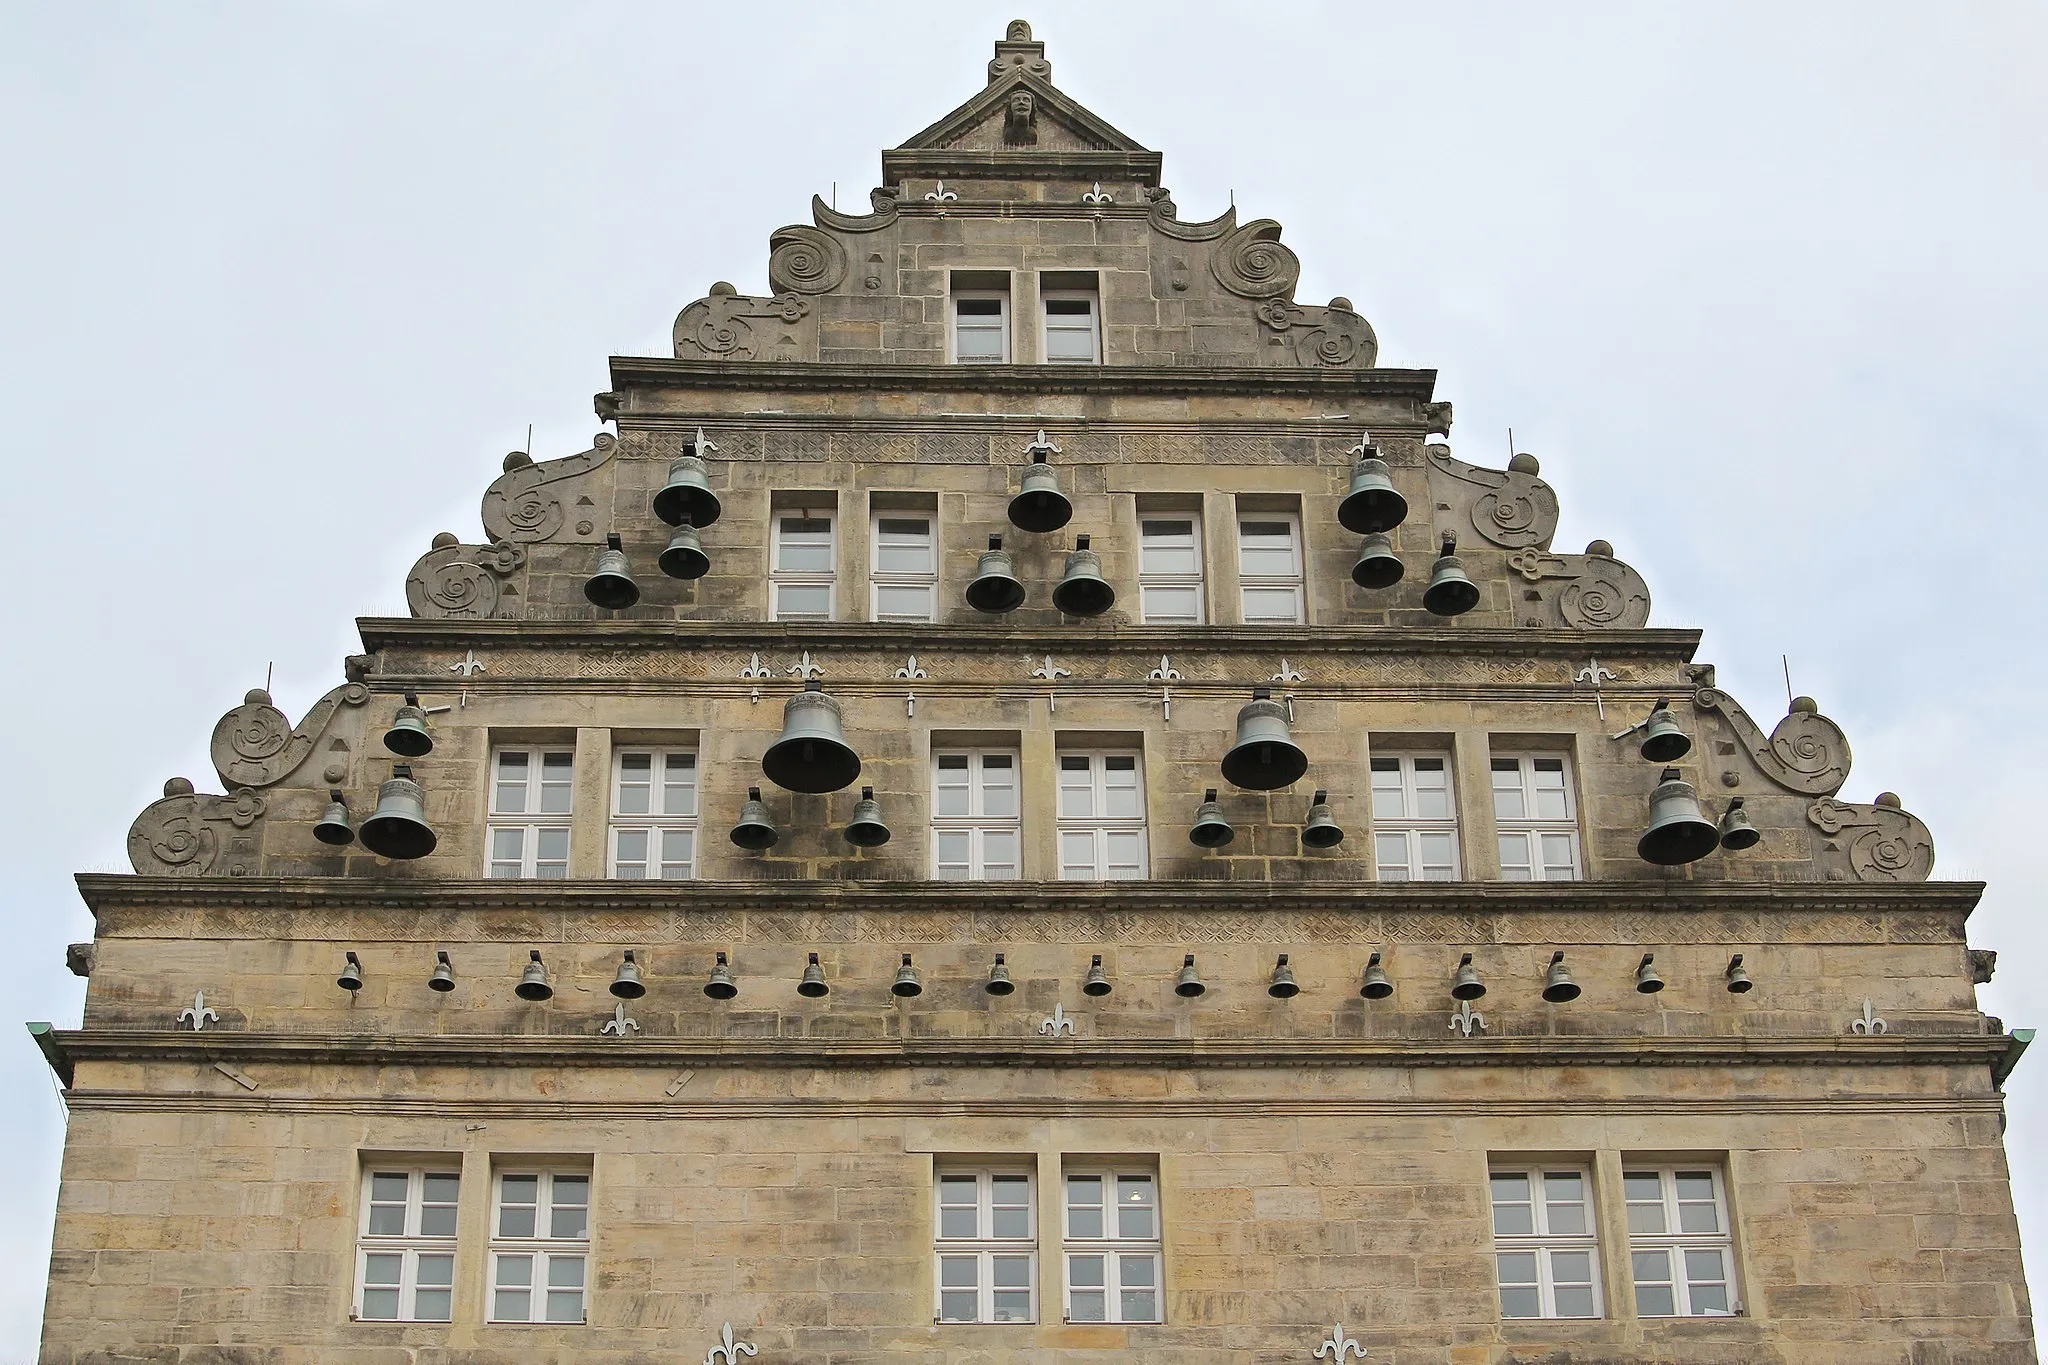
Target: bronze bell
<point x="813" y="986"/>
<point x="1039" y="504"/>
<point x="1736" y="831"/>
<point x="907" y="983"/>
<point x="1467" y="985"/>
<point x="612" y="586"/>
<point x="1738" y="977"/>
<point x="1678" y="832"/>
<point x="1378" y="566"/>
<point x="1210" y="829"/>
<point x="721" y="986"/>
<point x="1372" y="504"/>
<point x="687" y="499"/>
<point x="1282" y="986"/>
<point x="1663" y="741"/>
<point x="812" y="755"/>
<point x="1450" y="592"/>
<point x="408" y="737"/>
<point x="351" y="978"/>
<point x="1082" y="590"/>
<point x="627" y="984"/>
<point x="1265" y="756"/>
<point x="533" y="982"/>
<point x="1378" y="986"/>
<point x="399" y="827"/>
<point x="1097" y="981"/>
<point x="1558" y="986"/>
<point x="1322" y="829"/>
<point x="685" y="558"/>
<point x="999" y="982"/>
<point x="754" y="832"/>
<point x="443" y="979"/>
<point x="995" y="588"/>
<point x="867" y="829"/>
<point x="1190" y="984"/>
<point x="1647" y="980"/>
<point x="333" y="827"/>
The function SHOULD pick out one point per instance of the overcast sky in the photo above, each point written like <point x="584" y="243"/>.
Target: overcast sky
<point x="1762" y="285"/>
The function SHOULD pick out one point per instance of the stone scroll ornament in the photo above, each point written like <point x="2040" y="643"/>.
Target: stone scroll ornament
<point x="1874" y="843"/>
<point x="1514" y="508"/>
<point x="1251" y="263"/>
<point x="254" y="745"/>
<point x="885" y="214"/>
<point x="804" y="260"/>
<point x="466" y="582"/>
<point x="186" y="833"/>
<point x="729" y="325"/>
<point x="1807" y="753"/>
<point x="1602" y="592"/>
<point x="549" y="501"/>
<point x="1335" y="337"/>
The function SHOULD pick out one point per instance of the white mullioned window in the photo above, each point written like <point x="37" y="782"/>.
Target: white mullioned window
<point x="1269" y="568"/>
<point x="654" y="814"/>
<point x="540" y="1246"/>
<point x="1546" y="1253"/>
<point x="985" y="1258"/>
<point x="1073" y="326"/>
<point x="802" y="581"/>
<point x="1170" y="570"/>
<point x="903" y="568"/>
<point x="1101" y="817"/>
<point x="405" y="1256"/>
<point x="981" y="327"/>
<point x="1681" y="1252"/>
<point x="1112" y="1246"/>
<point x="1535" y="818"/>
<point x="1414" y="818"/>
<point x="528" y="825"/>
<point x="977" y="821"/>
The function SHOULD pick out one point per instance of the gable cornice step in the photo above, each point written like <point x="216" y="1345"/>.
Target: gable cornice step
<point x="661" y="372"/>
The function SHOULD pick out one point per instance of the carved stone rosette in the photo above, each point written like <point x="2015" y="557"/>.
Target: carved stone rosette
<point x="468" y="582"/>
<point x="1875" y="843"/>
<point x="254" y="745"/>
<point x="183" y="834"/>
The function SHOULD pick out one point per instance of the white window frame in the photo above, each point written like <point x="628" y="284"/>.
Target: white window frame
<point x="1531" y="830"/>
<point x="532" y="821"/>
<point x="880" y="578"/>
<point x="1093" y="298"/>
<point x="1672" y="1246"/>
<point x="544" y="1247"/>
<point x="1154" y="579"/>
<point x="1115" y="1249"/>
<point x="1099" y="826"/>
<point x="1002" y="298"/>
<point x="411" y="1243"/>
<point x="657" y="822"/>
<point x="1545" y="1244"/>
<point x="780" y="578"/>
<point x="977" y="824"/>
<point x="1294" y="582"/>
<point x="984" y="1247"/>
<point x="1411" y="828"/>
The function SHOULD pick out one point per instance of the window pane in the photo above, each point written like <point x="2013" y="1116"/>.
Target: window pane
<point x="1514" y="857"/>
<point x="1439" y="855"/>
<point x="679" y="785"/>
<point x="1557" y="857"/>
<point x="380" y="1285"/>
<point x="998" y="787"/>
<point x="631" y="861"/>
<point x="804" y="545"/>
<point x="1391" y="853"/>
<point x="897" y="602"/>
<point x="793" y="600"/>
<point x="434" y="1305"/>
<point x="1085" y="1272"/>
<point x="1124" y="855"/>
<point x="511" y="785"/>
<point x="1136" y="1208"/>
<point x="1070" y="307"/>
<point x="978" y="307"/>
<point x="678" y="853"/>
<point x="957" y="1272"/>
<point x="1574" y="1301"/>
<point x="1168" y="547"/>
<point x="1564" y="1194"/>
<point x="1432" y="789"/>
<point x="999" y="849"/>
<point x="551" y="853"/>
<point x="957" y="1305"/>
<point x="1170" y="606"/>
<point x="978" y="343"/>
<point x="1012" y="1281"/>
<point x="1513" y="1212"/>
<point x="1508" y="802"/>
<point x="1077" y="855"/>
<point x="950" y="855"/>
<point x="636" y="779"/>
<point x="1272" y="604"/>
<point x="512" y="1299"/>
<point x="1070" y="343"/>
<point x="1088" y="1305"/>
<point x="557" y="773"/>
<point x="517" y="1197"/>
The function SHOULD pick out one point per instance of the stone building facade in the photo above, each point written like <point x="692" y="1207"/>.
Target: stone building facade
<point x="1475" y="1082"/>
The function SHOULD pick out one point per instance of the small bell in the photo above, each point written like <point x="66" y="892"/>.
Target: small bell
<point x="1372" y="504"/>
<point x="1039" y="504"/>
<point x="333" y="827"/>
<point x="1378" y="566"/>
<point x="1467" y="985"/>
<point x="1082" y="590"/>
<point x="1210" y="829"/>
<point x="813" y="986"/>
<point x="1663" y="741"/>
<point x="812" y="754"/>
<point x="686" y="499"/>
<point x="1450" y="592"/>
<point x="1265" y="756"/>
<point x="721" y="985"/>
<point x="1322" y="829"/>
<point x="754" y="832"/>
<point x="907" y="983"/>
<point x="1736" y="831"/>
<point x="1097" y="980"/>
<point x="999" y="982"/>
<point x="685" y="558"/>
<point x="867" y="829"/>
<point x="351" y="978"/>
<point x="399" y="827"/>
<point x="1738" y="977"/>
<point x="443" y="979"/>
<point x="995" y="588"/>
<point x="1190" y="984"/>
<point x="408" y="737"/>
<point x="612" y="586"/>
<point x="1647" y="980"/>
<point x="627" y="984"/>
<point x="1678" y="833"/>
<point x="1558" y="986"/>
<point x="1282" y="986"/>
<point x="1377" y="984"/>
<point x="533" y="982"/>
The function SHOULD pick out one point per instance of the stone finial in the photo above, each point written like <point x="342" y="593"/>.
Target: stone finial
<point x="1016" y="49"/>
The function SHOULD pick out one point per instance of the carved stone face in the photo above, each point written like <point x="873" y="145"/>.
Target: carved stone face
<point x="1019" y="121"/>
<point x="1022" y="105"/>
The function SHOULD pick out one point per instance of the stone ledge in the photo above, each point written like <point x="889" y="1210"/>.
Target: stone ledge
<point x="1151" y="381"/>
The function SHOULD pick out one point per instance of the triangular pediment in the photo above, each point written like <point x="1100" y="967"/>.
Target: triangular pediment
<point x="1019" y="113"/>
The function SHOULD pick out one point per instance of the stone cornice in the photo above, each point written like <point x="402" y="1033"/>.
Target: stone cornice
<point x="962" y="163"/>
<point x="1152" y="381"/>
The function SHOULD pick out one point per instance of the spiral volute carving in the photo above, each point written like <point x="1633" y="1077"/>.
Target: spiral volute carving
<point x="1252" y="263"/>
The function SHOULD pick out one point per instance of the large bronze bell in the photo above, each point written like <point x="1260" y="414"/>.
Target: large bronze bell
<point x="1097" y="981"/>
<point x="1372" y="504"/>
<point x="995" y="588"/>
<point x="1663" y="741"/>
<point x="612" y="586"/>
<point x="1190" y="983"/>
<point x="334" y="827"/>
<point x="1450" y="592"/>
<point x="1282" y="985"/>
<point x="408" y="735"/>
<point x="812" y="755"/>
<point x="813" y="986"/>
<point x="1736" y="831"/>
<point x="755" y="831"/>
<point x="999" y="982"/>
<point x="443" y="979"/>
<point x="1648" y="982"/>
<point x="1738" y="977"/>
<point x="1558" y="986"/>
<point x="626" y="983"/>
<point x="351" y="978"/>
<point x="907" y="983"/>
<point x="1378" y="566"/>
<point x="1082" y="590"/>
<point x="1466" y="985"/>
<point x="685" y="558"/>
<point x="1679" y="832"/>
<point x="866" y="829"/>
<point x="1039" y="504"/>
<point x="1210" y="829"/>
<point x="533" y="982"/>
<point x="1378" y="985"/>
<point x="399" y="828"/>
<point x="1322" y="829"/>
<point x="687" y="495"/>
<point x="1265" y="756"/>
<point x="721" y="986"/>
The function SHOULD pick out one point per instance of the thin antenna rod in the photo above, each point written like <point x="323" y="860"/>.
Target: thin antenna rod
<point x="1786" y="660"/>
<point x="529" y="440"/>
<point x="835" y="196"/>
<point x="267" y="670"/>
<point x="1511" y="443"/>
